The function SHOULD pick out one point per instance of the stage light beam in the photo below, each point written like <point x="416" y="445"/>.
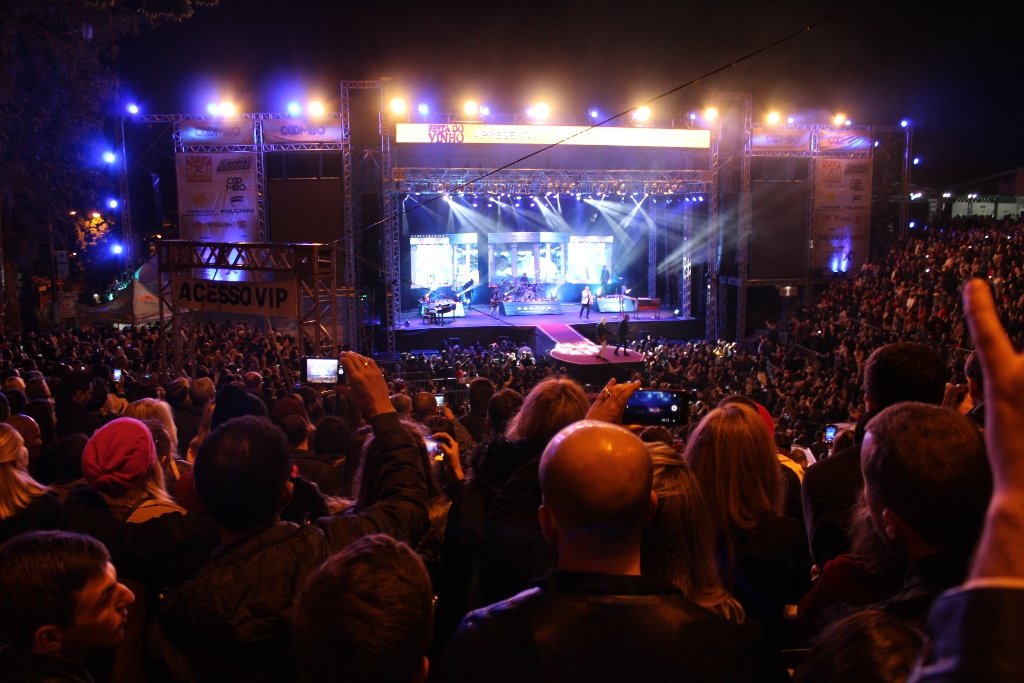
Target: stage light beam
<point x="470" y="108"/>
<point x="594" y="114"/>
<point x="839" y="118"/>
<point x="904" y="123"/>
<point x="774" y="117"/>
<point x="117" y="249"/>
<point x="485" y="111"/>
<point x="212" y="108"/>
<point x="112" y="203"/>
<point x="789" y="120"/>
<point x="226" y="109"/>
<point x="642" y="113"/>
<point x="133" y="109"/>
<point x="109" y="157"/>
<point x="316" y="108"/>
<point x="398" y="106"/>
<point x="294" y="108"/>
<point x="541" y="110"/>
<point x="423" y="108"/>
<point x="710" y="113"/>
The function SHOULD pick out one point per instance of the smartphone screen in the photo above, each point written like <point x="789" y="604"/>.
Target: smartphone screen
<point x="654" y="407"/>
<point x="117" y="374"/>
<point x="432" y="448"/>
<point x="830" y="433"/>
<point x="440" y="400"/>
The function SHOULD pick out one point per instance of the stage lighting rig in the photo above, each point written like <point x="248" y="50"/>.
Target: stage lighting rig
<point x="642" y="113"/>
<point x="294" y="108"/>
<point x="109" y="157"/>
<point x="398" y="106"/>
<point x="316" y="109"/>
<point x="133" y="109"/>
<point x="838" y="119"/>
<point x="423" y="108"/>
<point x="710" y="114"/>
<point x="226" y="109"/>
<point x="774" y="117"/>
<point x="471" y="108"/>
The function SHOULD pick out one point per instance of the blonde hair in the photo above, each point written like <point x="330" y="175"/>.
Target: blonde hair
<point x="17" y="487"/>
<point x="679" y="542"/>
<point x="204" y="430"/>
<point x="552" y="405"/>
<point x="155" y="409"/>
<point x="733" y="457"/>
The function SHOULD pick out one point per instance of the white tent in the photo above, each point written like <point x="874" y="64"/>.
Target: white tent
<point x="133" y="305"/>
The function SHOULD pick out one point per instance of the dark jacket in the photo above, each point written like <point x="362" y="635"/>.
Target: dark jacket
<point x="233" y="620"/>
<point x="476" y="425"/>
<point x="597" y="627"/>
<point x="623" y="331"/>
<point x="72" y="418"/>
<point x="974" y="635"/>
<point x="29" y="667"/>
<point x="187" y="420"/>
<point x="924" y="581"/>
<point x="831" y="490"/>
<point x="317" y="470"/>
<point x="42" y="514"/>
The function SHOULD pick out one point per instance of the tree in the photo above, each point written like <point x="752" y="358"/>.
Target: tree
<point x="56" y="89"/>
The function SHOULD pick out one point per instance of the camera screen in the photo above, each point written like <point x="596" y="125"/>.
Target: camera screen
<point x="830" y="433"/>
<point x="322" y="370"/>
<point x="650" y="407"/>
<point x="440" y="400"/>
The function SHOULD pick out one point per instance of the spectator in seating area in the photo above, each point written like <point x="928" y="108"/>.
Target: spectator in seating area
<point x="762" y="554"/>
<point x="60" y="601"/>
<point x="331" y="442"/>
<point x="958" y="397"/>
<point x="596" y="617"/>
<point x="25" y="504"/>
<point x="365" y="614"/>
<point x="657" y="434"/>
<point x="679" y="542"/>
<point x="232" y="620"/>
<point x="975" y="388"/>
<point x="475" y="421"/>
<point x="30" y="434"/>
<point x="424" y="407"/>
<point x="927" y="487"/>
<point x="152" y="409"/>
<point x="502" y="407"/>
<point x="402" y="404"/>
<point x="895" y="373"/>
<point x="309" y="463"/>
<point x="186" y="416"/>
<point x="41" y="411"/>
<point x="867" y="647"/>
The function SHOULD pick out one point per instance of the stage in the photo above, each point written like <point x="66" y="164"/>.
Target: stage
<point x="567" y="338"/>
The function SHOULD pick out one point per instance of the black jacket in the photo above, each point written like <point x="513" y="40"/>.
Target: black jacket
<point x="74" y="419"/>
<point x="233" y="620"/>
<point x="28" y="667"/>
<point x="831" y="490"/>
<point x="317" y="470"/>
<point x="597" y="627"/>
<point x="187" y="420"/>
<point x="41" y="514"/>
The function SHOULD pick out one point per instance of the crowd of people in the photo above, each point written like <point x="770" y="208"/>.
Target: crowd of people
<point x="244" y="526"/>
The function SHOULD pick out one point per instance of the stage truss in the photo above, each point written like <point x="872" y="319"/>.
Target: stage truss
<point x="311" y="266"/>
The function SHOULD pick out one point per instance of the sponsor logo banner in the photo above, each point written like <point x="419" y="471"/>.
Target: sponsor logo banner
<point x="483" y="133"/>
<point x="842" y="213"/>
<point x="843" y="141"/>
<point x="218" y="132"/>
<point x="217" y="197"/>
<point x="298" y="130"/>
<point x="780" y="139"/>
<point x="260" y="298"/>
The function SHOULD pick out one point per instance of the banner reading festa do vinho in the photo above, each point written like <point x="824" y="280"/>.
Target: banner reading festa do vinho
<point x="842" y="213"/>
<point x="217" y="196"/>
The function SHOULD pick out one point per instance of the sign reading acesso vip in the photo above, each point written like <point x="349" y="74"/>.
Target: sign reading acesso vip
<point x="257" y="298"/>
<point x="600" y="136"/>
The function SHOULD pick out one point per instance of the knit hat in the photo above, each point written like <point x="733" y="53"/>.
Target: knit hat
<point x="118" y="456"/>
<point x="285" y="407"/>
<point x="234" y="401"/>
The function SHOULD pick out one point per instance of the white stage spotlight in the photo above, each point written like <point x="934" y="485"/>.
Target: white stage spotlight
<point x="838" y="119"/>
<point x="470" y="107"/>
<point x="642" y="113"/>
<point x="294" y="108"/>
<point x="398" y="106"/>
<point x="423" y="109"/>
<point x="710" y="113"/>
<point x="316" y="108"/>
<point x="774" y="117"/>
<point x="226" y="109"/>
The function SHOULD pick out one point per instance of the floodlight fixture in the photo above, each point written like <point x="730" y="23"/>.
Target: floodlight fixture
<point x="485" y="111"/>
<point x="917" y="160"/>
<point x="226" y="109"/>
<point x="774" y="117"/>
<point x="471" y="108"/>
<point x="790" y="120"/>
<point x="540" y="110"/>
<point x="423" y="108"/>
<point x="112" y="203"/>
<point x="839" y="118"/>
<point x="294" y="108"/>
<point x="212" y="108"/>
<point x="904" y="123"/>
<point x="109" y="157"/>
<point x="398" y="106"/>
<point x="316" y="108"/>
<point x="133" y="108"/>
<point x="594" y="114"/>
<point x="642" y="113"/>
<point x="710" y="114"/>
<point x="117" y="249"/>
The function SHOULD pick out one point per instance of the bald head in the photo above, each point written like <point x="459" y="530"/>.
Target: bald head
<point x="424" y="405"/>
<point x="596" y="480"/>
<point x="29" y="431"/>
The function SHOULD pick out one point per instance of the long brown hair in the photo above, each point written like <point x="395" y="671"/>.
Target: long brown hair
<point x="733" y="458"/>
<point x="552" y="405"/>
<point x="679" y="542"/>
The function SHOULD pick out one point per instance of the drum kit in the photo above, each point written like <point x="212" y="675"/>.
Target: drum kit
<point x="522" y="290"/>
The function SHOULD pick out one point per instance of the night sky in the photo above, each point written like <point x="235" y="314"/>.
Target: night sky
<point x="956" y="69"/>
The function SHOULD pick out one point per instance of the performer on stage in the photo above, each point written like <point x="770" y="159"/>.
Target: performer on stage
<point x="467" y="292"/>
<point x="606" y="276"/>
<point x="623" y="334"/>
<point x="588" y="298"/>
<point x="602" y="338"/>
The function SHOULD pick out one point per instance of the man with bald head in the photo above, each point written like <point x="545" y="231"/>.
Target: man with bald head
<point x="30" y="432"/>
<point x="595" y="618"/>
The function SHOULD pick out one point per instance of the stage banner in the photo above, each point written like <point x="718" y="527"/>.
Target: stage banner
<point x="257" y="298"/>
<point x="842" y="213"/>
<point x="218" y="132"/>
<point x="844" y="141"/>
<point x="217" y="197"/>
<point x="299" y="130"/>
<point x="773" y="138"/>
<point x="601" y="136"/>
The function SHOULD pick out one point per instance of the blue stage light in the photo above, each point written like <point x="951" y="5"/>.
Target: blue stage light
<point x="112" y="203"/>
<point x="294" y="108"/>
<point x="133" y="109"/>
<point x="876" y="143"/>
<point x="485" y="111"/>
<point x="693" y="116"/>
<point x="917" y="160"/>
<point x="594" y="113"/>
<point x="423" y="109"/>
<point x="904" y="123"/>
<point x="109" y="157"/>
<point x="912" y="224"/>
<point x="116" y="249"/>
<point x="700" y="199"/>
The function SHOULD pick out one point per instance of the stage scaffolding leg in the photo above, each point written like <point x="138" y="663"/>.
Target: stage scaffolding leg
<point x="685" y="292"/>
<point x="392" y="250"/>
<point x="711" y="318"/>
<point x="905" y="184"/>
<point x="348" y="230"/>
<point x="652" y="250"/>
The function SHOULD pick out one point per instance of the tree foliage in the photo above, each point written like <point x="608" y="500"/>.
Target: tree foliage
<point x="57" y="89"/>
